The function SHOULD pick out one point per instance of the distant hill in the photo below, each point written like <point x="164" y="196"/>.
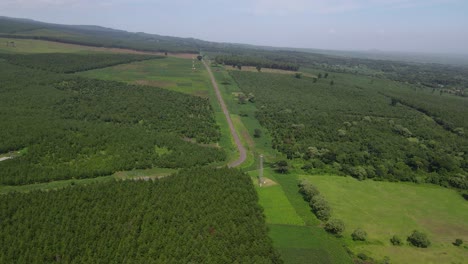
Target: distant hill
<point x="104" y="37"/>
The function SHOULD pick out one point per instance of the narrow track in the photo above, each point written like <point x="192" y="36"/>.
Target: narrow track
<point x="240" y="147"/>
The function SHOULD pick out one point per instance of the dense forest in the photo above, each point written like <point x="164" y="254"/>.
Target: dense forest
<point x="71" y="63"/>
<point x="255" y="61"/>
<point x="344" y="124"/>
<point x="195" y="216"/>
<point x="68" y="127"/>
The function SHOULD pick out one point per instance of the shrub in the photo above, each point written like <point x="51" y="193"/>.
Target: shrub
<point x="335" y="226"/>
<point x="396" y="241"/>
<point x="458" y="242"/>
<point x="282" y="166"/>
<point x="419" y="239"/>
<point x="257" y="133"/>
<point x="359" y="234"/>
<point x="308" y="190"/>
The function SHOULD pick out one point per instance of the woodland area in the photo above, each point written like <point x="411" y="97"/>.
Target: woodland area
<point x="195" y="216"/>
<point x="346" y="126"/>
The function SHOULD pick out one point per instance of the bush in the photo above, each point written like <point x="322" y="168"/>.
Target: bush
<point x="458" y="242"/>
<point x="419" y="239"/>
<point x="282" y="166"/>
<point x="320" y="207"/>
<point x="308" y="190"/>
<point x="396" y="241"/>
<point x="335" y="226"/>
<point x="359" y="235"/>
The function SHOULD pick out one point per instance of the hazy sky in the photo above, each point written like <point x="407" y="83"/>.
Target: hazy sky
<point x="392" y="25"/>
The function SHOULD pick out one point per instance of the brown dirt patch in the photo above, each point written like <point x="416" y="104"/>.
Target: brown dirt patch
<point x="268" y="182"/>
<point x="161" y="84"/>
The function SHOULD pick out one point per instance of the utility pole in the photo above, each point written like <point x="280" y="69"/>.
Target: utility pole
<point x="260" y="172"/>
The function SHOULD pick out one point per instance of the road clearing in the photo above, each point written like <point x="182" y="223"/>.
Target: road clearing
<point x="235" y="136"/>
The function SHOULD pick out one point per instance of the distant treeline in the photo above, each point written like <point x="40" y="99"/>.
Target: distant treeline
<point x="256" y="62"/>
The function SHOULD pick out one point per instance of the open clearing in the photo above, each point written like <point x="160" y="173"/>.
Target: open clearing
<point x="384" y="209"/>
<point x="170" y="73"/>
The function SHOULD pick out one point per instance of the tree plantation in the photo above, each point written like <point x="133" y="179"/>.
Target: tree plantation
<point x="81" y="128"/>
<point x="196" y="216"/>
<point x="70" y="63"/>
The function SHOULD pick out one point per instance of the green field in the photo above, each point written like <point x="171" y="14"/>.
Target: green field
<point x="294" y="229"/>
<point x="170" y="73"/>
<point x="384" y="209"/>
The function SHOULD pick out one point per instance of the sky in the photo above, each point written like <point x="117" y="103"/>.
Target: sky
<point x="432" y="26"/>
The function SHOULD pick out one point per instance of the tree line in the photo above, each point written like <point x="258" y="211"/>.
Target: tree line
<point x="256" y="62"/>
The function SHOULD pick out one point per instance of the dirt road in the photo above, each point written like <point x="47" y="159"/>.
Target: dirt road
<point x="240" y="147"/>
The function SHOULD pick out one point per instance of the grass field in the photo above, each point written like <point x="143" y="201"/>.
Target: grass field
<point x="293" y="228"/>
<point x="384" y="209"/>
<point x="170" y="73"/>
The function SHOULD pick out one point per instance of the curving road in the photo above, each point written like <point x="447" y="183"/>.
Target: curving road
<point x="240" y="147"/>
